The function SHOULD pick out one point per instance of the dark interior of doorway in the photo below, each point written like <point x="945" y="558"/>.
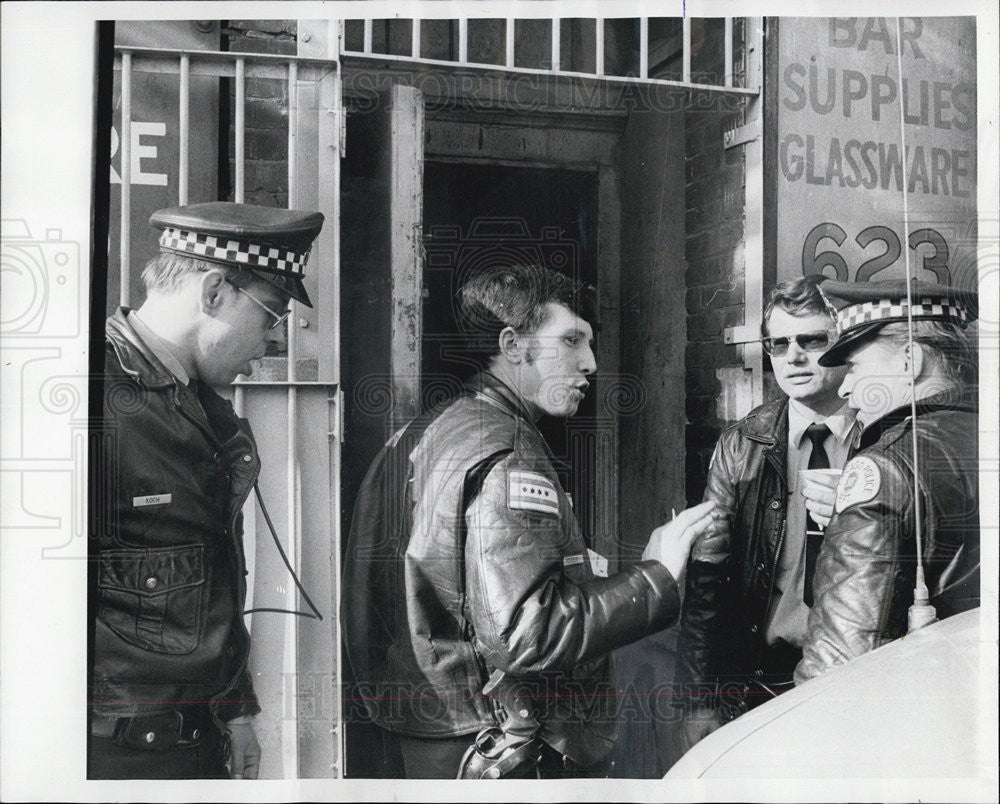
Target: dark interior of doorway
<point x="477" y="215"/>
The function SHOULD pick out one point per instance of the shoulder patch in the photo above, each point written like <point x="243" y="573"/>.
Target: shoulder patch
<point x="530" y="491"/>
<point x="859" y="483"/>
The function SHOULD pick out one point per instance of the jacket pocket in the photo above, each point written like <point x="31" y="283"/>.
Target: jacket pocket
<point x="153" y="598"/>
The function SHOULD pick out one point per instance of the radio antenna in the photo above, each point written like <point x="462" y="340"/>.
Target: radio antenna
<point x="921" y="613"/>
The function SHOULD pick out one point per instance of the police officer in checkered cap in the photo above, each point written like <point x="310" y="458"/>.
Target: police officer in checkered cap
<point x="171" y="692"/>
<point x="911" y="376"/>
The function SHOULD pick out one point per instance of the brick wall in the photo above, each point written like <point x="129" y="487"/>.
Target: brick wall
<point x="266" y="110"/>
<point x="714" y="196"/>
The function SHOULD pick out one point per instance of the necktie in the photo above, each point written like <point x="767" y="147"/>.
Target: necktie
<point x="818" y="459"/>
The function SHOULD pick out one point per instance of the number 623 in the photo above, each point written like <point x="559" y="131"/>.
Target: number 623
<point x="814" y="264"/>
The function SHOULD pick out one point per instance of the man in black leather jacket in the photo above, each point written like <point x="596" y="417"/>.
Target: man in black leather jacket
<point x="911" y="390"/>
<point x="466" y="570"/>
<point x="745" y="606"/>
<point x="171" y="695"/>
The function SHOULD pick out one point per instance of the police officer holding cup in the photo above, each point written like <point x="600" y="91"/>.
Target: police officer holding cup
<point x="905" y="522"/>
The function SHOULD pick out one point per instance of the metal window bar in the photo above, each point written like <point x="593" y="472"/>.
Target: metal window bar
<point x="599" y="46"/>
<point x="125" y="251"/>
<point x="290" y="665"/>
<point x="686" y="51"/>
<point x="239" y="397"/>
<point x="728" y="22"/>
<point x="754" y="212"/>
<point x="556" y="41"/>
<point x="223" y="64"/>
<point x="644" y="47"/>
<point x="239" y="133"/>
<point x="727" y="84"/>
<point x="509" y="42"/>
<point x="184" y="126"/>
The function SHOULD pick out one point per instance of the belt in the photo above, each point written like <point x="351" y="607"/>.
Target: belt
<point x="160" y="732"/>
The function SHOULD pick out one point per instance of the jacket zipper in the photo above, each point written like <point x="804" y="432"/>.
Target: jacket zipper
<point x="241" y="579"/>
<point x="762" y="636"/>
<point x="774" y="566"/>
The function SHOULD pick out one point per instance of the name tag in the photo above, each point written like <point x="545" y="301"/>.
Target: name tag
<point x="151" y="499"/>
<point x="572" y="561"/>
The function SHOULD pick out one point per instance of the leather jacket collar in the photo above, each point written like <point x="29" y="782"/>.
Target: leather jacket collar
<point x="495" y="391"/>
<point x="767" y="423"/>
<point x="133" y="354"/>
<point x="943" y="401"/>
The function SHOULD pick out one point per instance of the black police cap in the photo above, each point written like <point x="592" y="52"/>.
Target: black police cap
<point x="271" y="243"/>
<point x="862" y="308"/>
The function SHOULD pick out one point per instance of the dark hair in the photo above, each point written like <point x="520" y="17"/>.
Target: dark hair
<point x="797" y="297"/>
<point x="515" y="296"/>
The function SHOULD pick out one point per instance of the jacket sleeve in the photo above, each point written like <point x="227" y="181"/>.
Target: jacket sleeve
<point x="702" y="642"/>
<point x="528" y="615"/>
<point x="241" y="700"/>
<point x="861" y="584"/>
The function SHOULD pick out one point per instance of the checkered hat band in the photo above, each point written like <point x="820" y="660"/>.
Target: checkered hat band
<point x="889" y="310"/>
<point x="238" y="252"/>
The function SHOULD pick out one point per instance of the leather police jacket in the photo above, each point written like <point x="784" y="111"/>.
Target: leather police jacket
<point x="866" y="570"/>
<point x="167" y="528"/>
<point x="465" y="557"/>
<point x="731" y="575"/>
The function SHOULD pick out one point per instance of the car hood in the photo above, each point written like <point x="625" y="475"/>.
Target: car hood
<point x="910" y="709"/>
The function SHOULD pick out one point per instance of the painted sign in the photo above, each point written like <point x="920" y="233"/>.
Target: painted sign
<point x="859" y="118"/>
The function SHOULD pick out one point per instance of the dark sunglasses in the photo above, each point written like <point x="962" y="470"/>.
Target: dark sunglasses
<point x="807" y="341"/>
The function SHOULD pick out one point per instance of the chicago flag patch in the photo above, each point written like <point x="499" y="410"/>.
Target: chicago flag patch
<point x="530" y="491"/>
<point x="860" y="482"/>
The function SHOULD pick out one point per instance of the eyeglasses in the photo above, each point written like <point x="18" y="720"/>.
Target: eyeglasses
<point x="278" y="319"/>
<point x="807" y="341"/>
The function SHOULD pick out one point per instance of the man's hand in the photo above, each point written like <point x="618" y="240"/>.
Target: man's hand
<point x="670" y="544"/>
<point x="244" y="750"/>
<point x="820" y="491"/>
<point x="697" y="725"/>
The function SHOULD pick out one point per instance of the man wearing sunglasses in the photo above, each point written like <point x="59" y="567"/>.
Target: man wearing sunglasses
<point x="748" y="589"/>
<point x="171" y="694"/>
